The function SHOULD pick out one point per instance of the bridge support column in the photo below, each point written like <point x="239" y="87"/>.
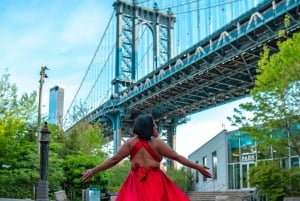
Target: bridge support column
<point x="130" y="18"/>
<point x="116" y="125"/>
<point x="171" y="139"/>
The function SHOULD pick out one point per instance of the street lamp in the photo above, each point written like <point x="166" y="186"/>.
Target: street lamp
<point x="43" y="75"/>
<point x="42" y="186"/>
<point x="43" y="147"/>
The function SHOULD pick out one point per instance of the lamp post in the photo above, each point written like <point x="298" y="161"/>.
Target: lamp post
<point x="43" y="75"/>
<point x="42" y="186"/>
<point x="43" y="146"/>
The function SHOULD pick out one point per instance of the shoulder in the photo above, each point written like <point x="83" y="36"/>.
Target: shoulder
<point x="163" y="148"/>
<point x="131" y="141"/>
<point x="158" y="141"/>
<point x="127" y="145"/>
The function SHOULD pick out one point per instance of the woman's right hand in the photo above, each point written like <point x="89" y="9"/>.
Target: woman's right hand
<point x="87" y="175"/>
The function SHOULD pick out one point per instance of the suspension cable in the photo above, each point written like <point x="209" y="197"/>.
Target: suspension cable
<point x="203" y="8"/>
<point x="144" y="1"/>
<point x="90" y="65"/>
<point x="191" y="2"/>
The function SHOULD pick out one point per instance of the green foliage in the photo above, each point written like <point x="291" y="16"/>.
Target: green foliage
<point x="18" y="156"/>
<point x="72" y="154"/>
<point x="79" y="110"/>
<point x="272" y="117"/>
<point x="276" y="95"/>
<point x="287" y="22"/>
<point x="275" y="181"/>
<point x="56" y="175"/>
<point x="74" y="166"/>
<point x="85" y="138"/>
<point x="20" y="172"/>
<point x="181" y="177"/>
<point x="278" y="71"/>
<point x="69" y="154"/>
<point x="13" y="108"/>
<point x="81" y="150"/>
<point x="118" y="175"/>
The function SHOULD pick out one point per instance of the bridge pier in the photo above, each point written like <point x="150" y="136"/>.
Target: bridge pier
<point x="116" y="125"/>
<point x="171" y="140"/>
<point x="130" y="18"/>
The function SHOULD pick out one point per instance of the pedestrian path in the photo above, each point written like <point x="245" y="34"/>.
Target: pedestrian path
<point x="12" y="199"/>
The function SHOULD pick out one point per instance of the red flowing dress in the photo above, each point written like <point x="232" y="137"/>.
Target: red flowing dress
<point x="149" y="184"/>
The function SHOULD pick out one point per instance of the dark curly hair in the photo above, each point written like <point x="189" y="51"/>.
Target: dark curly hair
<point x="143" y="126"/>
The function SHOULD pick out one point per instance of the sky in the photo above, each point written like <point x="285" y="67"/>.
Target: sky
<point x="63" y="35"/>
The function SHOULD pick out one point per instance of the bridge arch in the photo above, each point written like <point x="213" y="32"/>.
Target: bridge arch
<point x="145" y="64"/>
<point x="130" y="17"/>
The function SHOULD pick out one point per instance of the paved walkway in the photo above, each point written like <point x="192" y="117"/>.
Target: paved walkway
<point x="12" y="199"/>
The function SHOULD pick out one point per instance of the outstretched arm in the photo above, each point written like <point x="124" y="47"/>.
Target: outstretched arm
<point x="165" y="150"/>
<point x="120" y="155"/>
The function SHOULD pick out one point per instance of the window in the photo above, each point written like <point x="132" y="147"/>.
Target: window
<point x="233" y="148"/>
<point x="295" y="162"/>
<point x="204" y="162"/>
<point x="214" y="165"/>
<point x="234" y="177"/>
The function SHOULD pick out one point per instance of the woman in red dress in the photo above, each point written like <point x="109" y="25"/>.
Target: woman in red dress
<point x="146" y="181"/>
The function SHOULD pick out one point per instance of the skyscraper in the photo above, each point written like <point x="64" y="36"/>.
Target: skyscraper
<point x="56" y="105"/>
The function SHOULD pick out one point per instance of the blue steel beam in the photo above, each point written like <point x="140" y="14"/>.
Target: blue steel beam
<point x="219" y="69"/>
<point x="130" y="18"/>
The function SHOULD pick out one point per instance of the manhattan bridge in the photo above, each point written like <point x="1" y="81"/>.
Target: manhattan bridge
<point x="175" y="58"/>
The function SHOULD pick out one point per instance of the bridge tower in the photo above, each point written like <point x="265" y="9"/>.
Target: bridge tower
<point x="130" y="17"/>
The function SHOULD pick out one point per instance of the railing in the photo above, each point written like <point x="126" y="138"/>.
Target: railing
<point x="256" y="196"/>
<point x="202" y="49"/>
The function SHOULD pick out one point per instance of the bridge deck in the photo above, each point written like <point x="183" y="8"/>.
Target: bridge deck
<point x="217" y="70"/>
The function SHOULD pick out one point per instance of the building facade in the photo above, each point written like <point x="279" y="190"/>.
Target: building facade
<point x="230" y="155"/>
<point x="212" y="154"/>
<point x="56" y="105"/>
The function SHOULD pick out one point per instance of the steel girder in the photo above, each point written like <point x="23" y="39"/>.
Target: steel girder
<point x="217" y="70"/>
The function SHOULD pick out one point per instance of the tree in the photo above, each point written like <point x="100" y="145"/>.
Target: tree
<point x="74" y="166"/>
<point x="275" y="107"/>
<point x="18" y="155"/>
<point x="274" y="119"/>
<point x="79" y="111"/>
<point x="181" y="177"/>
<point x="56" y="174"/>
<point x="117" y="175"/>
<point x="82" y="150"/>
<point x="274" y="180"/>
<point x="85" y="138"/>
<point x="69" y="153"/>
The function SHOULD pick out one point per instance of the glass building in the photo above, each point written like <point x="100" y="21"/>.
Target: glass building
<point x="56" y="105"/>
<point x="230" y="155"/>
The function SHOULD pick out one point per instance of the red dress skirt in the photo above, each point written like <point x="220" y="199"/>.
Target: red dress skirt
<point x="149" y="184"/>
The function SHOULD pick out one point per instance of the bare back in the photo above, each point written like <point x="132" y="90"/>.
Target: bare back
<point x="142" y="156"/>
